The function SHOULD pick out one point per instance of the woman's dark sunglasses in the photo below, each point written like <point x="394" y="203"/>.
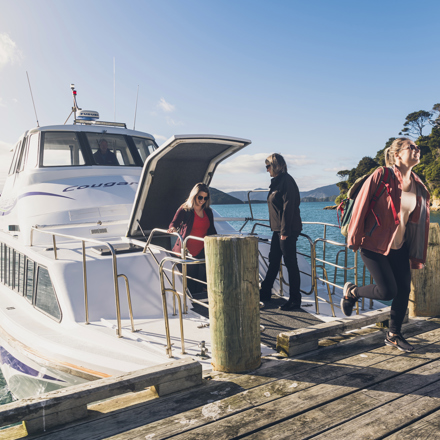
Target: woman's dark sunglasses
<point x="268" y="166"/>
<point x="202" y="198"/>
<point x="413" y="148"/>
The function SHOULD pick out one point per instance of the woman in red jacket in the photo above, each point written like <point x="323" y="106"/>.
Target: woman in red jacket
<point x="194" y="218"/>
<point x="391" y="236"/>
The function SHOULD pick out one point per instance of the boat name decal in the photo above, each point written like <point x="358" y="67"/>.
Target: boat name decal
<point x="97" y="185"/>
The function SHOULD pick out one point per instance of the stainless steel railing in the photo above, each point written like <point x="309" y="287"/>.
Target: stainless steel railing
<point x="116" y="276"/>
<point x="177" y="295"/>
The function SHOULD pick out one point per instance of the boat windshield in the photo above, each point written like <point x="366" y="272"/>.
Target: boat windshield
<point x="82" y="148"/>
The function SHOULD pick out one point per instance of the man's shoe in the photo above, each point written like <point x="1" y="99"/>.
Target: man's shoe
<point x="290" y="305"/>
<point x="265" y="296"/>
<point x="399" y="342"/>
<point x="348" y="299"/>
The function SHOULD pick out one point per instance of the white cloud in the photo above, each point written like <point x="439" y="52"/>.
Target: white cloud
<point x="9" y="54"/>
<point x="159" y="137"/>
<point x="252" y="164"/>
<point x="173" y="123"/>
<point x="166" y="106"/>
<point x="5" y="160"/>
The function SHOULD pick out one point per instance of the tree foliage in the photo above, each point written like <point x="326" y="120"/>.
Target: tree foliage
<point x="415" y="123"/>
<point x="429" y="167"/>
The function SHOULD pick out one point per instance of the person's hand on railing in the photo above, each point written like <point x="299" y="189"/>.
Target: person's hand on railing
<point x="171" y="230"/>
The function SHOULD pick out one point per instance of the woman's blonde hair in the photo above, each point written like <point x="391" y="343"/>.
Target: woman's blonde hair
<point x="190" y="201"/>
<point x="397" y="145"/>
<point x="277" y="162"/>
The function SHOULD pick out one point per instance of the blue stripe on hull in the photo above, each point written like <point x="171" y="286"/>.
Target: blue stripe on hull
<point x="7" y="359"/>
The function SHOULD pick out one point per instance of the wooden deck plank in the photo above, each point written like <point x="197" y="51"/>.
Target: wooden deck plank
<point x="227" y="396"/>
<point x="426" y="428"/>
<point x="388" y="418"/>
<point x="388" y="405"/>
<point x="262" y="413"/>
<point x="278" y="391"/>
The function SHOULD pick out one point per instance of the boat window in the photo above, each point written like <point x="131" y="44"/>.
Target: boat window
<point x="110" y="149"/>
<point x="10" y="265"/>
<point x="46" y="299"/>
<point x="31" y="160"/>
<point x="30" y="266"/>
<point x="144" y="146"/>
<point x="21" y="155"/>
<point x="2" y="262"/>
<point x="21" y="276"/>
<point x="62" y="149"/>
<point x="14" y="158"/>
<point x="16" y="269"/>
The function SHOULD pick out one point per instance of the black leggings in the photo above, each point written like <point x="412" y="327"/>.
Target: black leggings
<point x="287" y="249"/>
<point x="392" y="276"/>
<point x="197" y="271"/>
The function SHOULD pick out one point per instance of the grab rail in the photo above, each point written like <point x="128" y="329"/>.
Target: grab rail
<point x="114" y="266"/>
<point x="183" y="256"/>
<point x="175" y="294"/>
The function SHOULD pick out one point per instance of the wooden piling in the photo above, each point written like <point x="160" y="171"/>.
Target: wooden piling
<point x="424" y="298"/>
<point x="234" y="311"/>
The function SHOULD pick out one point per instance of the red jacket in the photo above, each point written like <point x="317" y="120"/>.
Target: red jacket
<point x="376" y="231"/>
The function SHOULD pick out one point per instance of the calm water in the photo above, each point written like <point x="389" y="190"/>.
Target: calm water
<point x="310" y="212"/>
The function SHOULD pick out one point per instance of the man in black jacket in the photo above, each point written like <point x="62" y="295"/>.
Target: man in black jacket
<point x="285" y="222"/>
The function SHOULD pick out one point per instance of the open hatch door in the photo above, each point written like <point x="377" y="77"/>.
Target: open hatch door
<point x="170" y="173"/>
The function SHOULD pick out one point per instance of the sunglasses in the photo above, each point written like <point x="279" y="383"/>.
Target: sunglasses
<point x="202" y="198"/>
<point x="413" y="148"/>
<point x="268" y="166"/>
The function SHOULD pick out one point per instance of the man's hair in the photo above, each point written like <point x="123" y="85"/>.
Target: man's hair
<point x="277" y="162"/>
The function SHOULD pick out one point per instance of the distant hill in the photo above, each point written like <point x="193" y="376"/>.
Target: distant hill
<point x="220" y="198"/>
<point x="243" y="195"/>
<point x="322" y="192"/>
<point x="329" y="192"/>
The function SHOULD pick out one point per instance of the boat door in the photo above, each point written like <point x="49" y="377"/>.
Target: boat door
<point x="170" y="173"/>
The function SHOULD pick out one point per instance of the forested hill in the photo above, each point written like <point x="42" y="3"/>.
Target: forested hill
<point x="415" y="126"/>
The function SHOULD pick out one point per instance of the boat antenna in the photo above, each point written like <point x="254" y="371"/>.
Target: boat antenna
<point x="114" y="89"/>
<point x="75" y="107"/>
<point x="135" y="108"/>
<point x="32" y="96"/>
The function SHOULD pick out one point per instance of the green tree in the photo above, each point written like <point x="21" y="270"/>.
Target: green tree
<point x="343" y="173"/>
<point x="415" y="122"/>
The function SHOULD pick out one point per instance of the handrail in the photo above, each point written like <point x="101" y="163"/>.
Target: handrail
<point x="175" y="294"/>
<point x="114" y="265"/>
<point x="183" y="255"/>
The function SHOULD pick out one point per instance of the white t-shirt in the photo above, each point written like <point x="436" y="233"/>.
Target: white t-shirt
<point x="408" y="204"/>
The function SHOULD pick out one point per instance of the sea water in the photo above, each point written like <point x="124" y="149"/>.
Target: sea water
<point x="313" y="212"/>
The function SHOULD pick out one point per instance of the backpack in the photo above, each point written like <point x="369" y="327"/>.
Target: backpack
<point x="346" y="206"/>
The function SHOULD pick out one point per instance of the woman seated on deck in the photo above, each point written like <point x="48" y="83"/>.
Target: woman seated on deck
<point x="194" y="218"/>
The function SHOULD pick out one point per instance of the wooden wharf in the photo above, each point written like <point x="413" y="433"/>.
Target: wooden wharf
<point x="351" y="387"/>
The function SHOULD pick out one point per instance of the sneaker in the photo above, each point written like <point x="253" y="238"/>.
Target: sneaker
<point x="348" y="300"/>
<point x="290" y="305"/>
<point x="399" y="342"/>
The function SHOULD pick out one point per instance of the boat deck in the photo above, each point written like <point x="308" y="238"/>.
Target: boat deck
<point x="357" y="389"/>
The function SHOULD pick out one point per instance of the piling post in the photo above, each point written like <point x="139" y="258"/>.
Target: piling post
<point x="234" y="304"/>
<point x="424" y="299"/>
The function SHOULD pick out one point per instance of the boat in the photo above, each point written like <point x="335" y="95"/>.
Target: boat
<point x="86" y="269"/>
<point x="80" y="293"/>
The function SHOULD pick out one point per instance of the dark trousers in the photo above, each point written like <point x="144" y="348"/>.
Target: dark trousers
<point x="286" y="249"/>
<point x="392" y="276"/>
<point x="197" y="271"/>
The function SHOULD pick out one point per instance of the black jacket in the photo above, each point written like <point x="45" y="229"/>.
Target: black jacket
<point x="183" y="221"/>
<point x="283" y="201"/>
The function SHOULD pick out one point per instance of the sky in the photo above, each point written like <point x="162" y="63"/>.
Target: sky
<point x="322" y="82"/>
